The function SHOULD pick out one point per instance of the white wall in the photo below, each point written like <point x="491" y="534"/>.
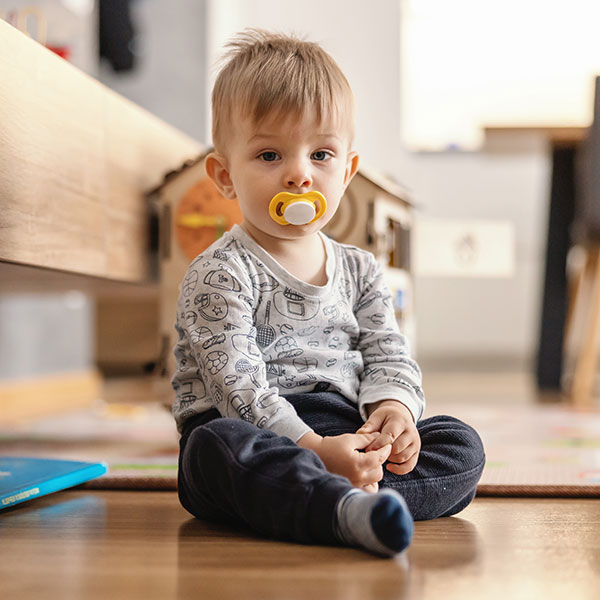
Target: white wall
<point x="67" y="23"/>
<point x="361" y="36"/>
<point x="455" y="317"/>
<point x="169" y="77"/>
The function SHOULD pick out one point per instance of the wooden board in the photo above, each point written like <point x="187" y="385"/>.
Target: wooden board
<point x="47" y="395"/>
<point x="75" y="162"/>
<point x="123" y="545"/>
<point x="555" y="134"/>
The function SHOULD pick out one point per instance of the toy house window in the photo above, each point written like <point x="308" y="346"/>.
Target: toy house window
<point x="398" y="244"/>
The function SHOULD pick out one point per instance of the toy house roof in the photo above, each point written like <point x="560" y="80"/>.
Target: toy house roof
<point x="380" y="181"/>
<point x="188" y="164"/>
<point x="385" y="183"/>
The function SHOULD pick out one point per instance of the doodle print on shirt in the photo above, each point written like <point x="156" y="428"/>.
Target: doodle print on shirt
<point x="211" y="307"/>
<point x="250" y="333"/>
<point x="377" y="318"/>
<point x="201" y="333"/>
<point x="224" y="252"/>
<point x="265" y="333"/>
<point x="188" y="394"/>
<point x="230" y="379"/>
<point x="267" y="400"/>
<point x="240" y="402"/>
<point x="245" y="367"/>
<point x="304" y="364"/>
<point x="368" y="300"/>
<point x="214" y="340"/>
<point x="220" y="255"/>
<point x="331" y="312"/>
<point x="217" y="392"/>
<point x="287" y="347"/>
<point x="275" y="369"/>
<point x="216" y="361"/>
<point x="221" y="279"/>
<point x="293" y="305"/>
<point x="286" y="329"/>
<point x="389" y="344"/>
<point x="263" y="282"/>
<point x="307" y="331"/>
<point x="190" y="318"/>
<point x="290" y="382"/>
<point x="189" y="283"/>
<point x="246" y="344"/>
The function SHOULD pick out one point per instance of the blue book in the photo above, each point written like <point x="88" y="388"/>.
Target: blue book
<point x="25" y="478"/>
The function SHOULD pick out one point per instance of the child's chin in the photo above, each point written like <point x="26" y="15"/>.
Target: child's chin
<point x="290" y="232"/>
<point x="294" y="231"/>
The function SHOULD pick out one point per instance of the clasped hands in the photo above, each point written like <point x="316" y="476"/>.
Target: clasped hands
<point x="389" y="434"/>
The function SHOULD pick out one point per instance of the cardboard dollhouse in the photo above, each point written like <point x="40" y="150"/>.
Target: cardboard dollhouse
<point x="375" y="214"/>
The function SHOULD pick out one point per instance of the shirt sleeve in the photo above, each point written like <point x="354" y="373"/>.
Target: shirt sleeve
<point x="216" y="315"/>
<point x="389" y="371"/>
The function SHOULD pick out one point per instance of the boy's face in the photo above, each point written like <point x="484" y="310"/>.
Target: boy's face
<point x="293" y="154"/>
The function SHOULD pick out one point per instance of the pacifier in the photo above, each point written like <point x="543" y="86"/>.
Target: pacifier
<point x="297" y="209"/>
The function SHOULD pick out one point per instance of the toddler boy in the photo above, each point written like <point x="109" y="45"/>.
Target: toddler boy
<point x="294" y="387"/>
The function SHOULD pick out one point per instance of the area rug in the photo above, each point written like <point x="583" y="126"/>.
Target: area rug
<point x="537" y="450"/>
<point x="139" y="443"/>
<point x="533" y="450"/>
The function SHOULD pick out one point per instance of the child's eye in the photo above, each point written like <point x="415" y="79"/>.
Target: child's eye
<point x="321" y="155"/>
<point x="269" y="156"/>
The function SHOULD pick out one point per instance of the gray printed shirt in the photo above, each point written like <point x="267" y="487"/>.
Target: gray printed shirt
<point x="250" y="333"/>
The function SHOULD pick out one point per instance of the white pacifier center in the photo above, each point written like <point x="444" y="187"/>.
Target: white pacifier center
<point x="300" y="213"/>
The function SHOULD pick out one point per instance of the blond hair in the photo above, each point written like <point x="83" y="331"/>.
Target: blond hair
<point x="269" y="74"/>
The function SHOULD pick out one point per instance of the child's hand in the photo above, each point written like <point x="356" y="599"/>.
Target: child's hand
<point x="395" y="423"/>
<point x="342" y="454"/>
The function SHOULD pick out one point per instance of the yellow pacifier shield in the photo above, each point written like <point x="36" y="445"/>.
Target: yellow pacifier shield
<point x="297" y="209"/>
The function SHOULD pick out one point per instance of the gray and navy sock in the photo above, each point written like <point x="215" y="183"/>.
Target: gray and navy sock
<point x="380" y="523"/>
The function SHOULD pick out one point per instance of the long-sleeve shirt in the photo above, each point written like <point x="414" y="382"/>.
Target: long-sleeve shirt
<point x="250" y="333"/>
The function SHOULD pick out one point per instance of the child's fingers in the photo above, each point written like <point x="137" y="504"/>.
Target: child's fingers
<point x="405" y="466"/>
<point x="373" y="423"/>
<point x="390" y="431"/>
<point x="372" y="488"/>
<point x="373" y="477"/>
<point x="383" y="453"/>
<point x="367" y="468"/>
<point x="402" y="443"/>
<point x="372" y="460"/>
<point x="363" y="440"/>
<point x="402" y="455"/>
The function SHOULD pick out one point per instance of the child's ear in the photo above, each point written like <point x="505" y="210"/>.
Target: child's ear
<point x="351" y="167"/>
<point x="217" y="169"/>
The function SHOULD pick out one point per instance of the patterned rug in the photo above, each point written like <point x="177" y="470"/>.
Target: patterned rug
<point x="139" y="443"/>
<point x="531" y="450"/>
<point x="537" y="450"/>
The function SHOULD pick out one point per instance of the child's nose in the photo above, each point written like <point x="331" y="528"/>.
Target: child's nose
<point x="298" y="176"/>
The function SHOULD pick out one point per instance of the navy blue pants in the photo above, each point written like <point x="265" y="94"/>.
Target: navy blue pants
<point x="232" y="471"/>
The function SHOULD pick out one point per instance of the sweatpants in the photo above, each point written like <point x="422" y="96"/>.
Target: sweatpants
<point x="232" y="471"/>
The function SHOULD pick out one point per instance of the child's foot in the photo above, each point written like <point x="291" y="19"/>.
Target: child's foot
<point x="380" y="523"/>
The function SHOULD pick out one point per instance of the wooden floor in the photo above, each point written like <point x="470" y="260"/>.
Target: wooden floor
<point x="111" y="545"/>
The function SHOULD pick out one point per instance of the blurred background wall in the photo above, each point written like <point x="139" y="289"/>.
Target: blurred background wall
<point x="474" y="321"/>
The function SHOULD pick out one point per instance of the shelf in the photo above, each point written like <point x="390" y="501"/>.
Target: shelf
<point x="76" y="160"/>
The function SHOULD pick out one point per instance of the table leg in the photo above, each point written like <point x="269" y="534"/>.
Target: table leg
<point x="554" y="303"/>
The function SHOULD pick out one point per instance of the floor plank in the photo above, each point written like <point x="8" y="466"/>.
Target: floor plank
<point x="82" y="544"/>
